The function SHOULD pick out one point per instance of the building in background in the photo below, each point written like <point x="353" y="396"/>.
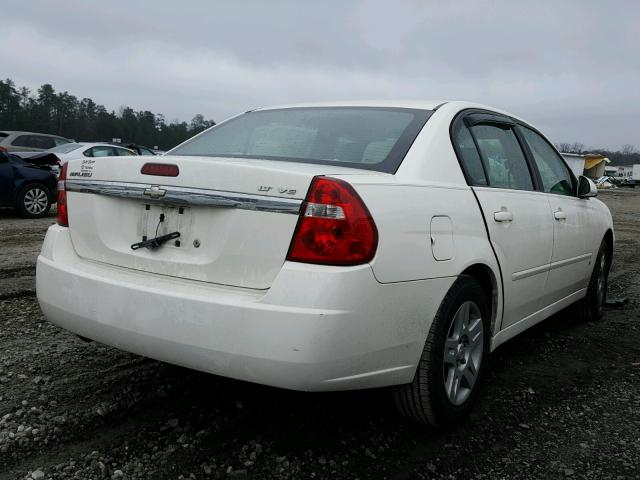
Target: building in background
<point x="590" y="165"/>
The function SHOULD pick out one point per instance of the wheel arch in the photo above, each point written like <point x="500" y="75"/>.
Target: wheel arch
<point x="489" y="282"/>
<point x="609" y="240"/>
<point x="27" y="182"/>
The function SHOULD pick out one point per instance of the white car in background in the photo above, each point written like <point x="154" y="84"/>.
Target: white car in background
<point x="331" y="247"/>
<point x="75" y="150"/>
<point x="71" y="151"/>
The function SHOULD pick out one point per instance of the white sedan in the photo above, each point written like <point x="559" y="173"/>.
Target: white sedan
<point x="331" y="247"/>
<point x="72" y="151"/>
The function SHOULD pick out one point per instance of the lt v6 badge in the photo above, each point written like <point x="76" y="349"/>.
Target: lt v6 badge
<point x="282" y="190"/>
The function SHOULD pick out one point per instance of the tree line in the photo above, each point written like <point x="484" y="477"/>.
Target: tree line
<point x="60" y="113"/>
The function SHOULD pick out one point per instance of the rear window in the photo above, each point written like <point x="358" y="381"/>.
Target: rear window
<point x="3" y="135"/>
<point x="65" y="148"/>
<point x="361" y="137"/>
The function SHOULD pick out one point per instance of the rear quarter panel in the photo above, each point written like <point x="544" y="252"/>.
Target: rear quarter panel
<point x="27" y="175"/>
<point x="429" y="183"/>
<point x="403" y="215"/>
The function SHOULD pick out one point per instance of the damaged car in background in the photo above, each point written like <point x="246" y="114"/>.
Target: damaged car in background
<point x="330" y="247"/>
<point x="28" y="185"/>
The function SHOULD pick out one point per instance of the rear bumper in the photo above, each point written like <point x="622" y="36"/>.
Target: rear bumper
<point x="316" y="328"/>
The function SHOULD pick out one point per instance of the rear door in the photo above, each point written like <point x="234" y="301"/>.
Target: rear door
<point x="571" y="261"/>
<point x="517" y="217"/>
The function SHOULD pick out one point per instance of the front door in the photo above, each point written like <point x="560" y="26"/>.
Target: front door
<point x="571" y="262"/>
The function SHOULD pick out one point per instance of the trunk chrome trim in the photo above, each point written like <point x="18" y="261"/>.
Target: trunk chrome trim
<point x="182" y="196"/>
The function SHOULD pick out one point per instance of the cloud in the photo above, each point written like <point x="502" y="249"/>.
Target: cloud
<point x="556" y="65"/>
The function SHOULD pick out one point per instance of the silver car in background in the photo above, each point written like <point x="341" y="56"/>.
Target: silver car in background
<point x="13" y="141"/>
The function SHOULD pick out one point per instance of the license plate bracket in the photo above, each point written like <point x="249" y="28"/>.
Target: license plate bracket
<point x="162" y="220"/>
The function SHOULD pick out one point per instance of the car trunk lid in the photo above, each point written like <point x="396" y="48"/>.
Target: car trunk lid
<point x="235" y="217"/>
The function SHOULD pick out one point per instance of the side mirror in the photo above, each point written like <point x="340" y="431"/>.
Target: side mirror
<point x="586" y="188"/>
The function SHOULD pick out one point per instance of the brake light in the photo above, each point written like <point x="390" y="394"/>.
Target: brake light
<point x="63" y="217"/>
<point x="2" y="149"/>
<point x="160" y="169"/>
<point x="335" y="226"/>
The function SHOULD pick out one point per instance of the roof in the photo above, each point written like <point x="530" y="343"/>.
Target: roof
<point x="100" y="144"/>
<point x="455" y="105"/>
<point x="19" y="132"/>
<point x="418" y="104"/>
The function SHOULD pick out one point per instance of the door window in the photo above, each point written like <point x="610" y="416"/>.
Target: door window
<point x="503" y="158"/>
<point x="40" y="141"/>
<point x="469" y="156"/>
<point x="145" y="151"/>
<point x="556" y="177"/>
<point x="122" y="152"/>
<point x="100" y="152"/>
<point x="21" y="141"/>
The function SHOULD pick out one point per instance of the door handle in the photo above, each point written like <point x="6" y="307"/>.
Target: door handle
<point x="560" y="215"/>
<point x="503" y="216"/>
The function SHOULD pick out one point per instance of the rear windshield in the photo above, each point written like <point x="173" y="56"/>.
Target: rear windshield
<point x="3" y="135"/>
<point x="361" y="137"/>
<point x="65" y="148"/>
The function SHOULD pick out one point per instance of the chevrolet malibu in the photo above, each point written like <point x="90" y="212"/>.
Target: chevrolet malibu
<point x="331" y="247"/>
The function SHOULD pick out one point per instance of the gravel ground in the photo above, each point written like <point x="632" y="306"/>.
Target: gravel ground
<point x="561" y="401"/>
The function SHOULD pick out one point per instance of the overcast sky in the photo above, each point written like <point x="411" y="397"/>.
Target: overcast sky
<point x="570" y="67"/>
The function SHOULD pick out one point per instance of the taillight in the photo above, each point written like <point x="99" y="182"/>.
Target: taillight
<point x="2" y="149"/>
<point x="335" y="227"/>
<point x="63" y="217"/>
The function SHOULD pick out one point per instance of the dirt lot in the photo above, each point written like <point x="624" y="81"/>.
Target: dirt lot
<point x="561" y="401"/>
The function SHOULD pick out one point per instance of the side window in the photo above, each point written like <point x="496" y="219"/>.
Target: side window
<point x="503" y="158"/>
<point x="468" y="152"/>
<point x="40" y="141"/>
<point x="102" y="152"/>
<point x="21" y="141"/>
<point x="145" y="151"/>
<point x="122" y="152"/>
<point x="555" y="175"/>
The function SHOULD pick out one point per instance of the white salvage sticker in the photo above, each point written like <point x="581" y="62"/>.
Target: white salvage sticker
<point x="86" y="169"/>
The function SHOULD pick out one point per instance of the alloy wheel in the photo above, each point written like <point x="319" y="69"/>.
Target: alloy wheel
<point x="463" y="353"/>
<point x="35" y="201"/>
<point x="602" y="280"/>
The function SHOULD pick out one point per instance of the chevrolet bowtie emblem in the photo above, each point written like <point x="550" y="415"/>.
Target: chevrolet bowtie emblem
<point x="155" y="192"/>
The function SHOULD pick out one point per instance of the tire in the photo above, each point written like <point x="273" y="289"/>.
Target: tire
<point x="33" y="201"/>
<point x="591" y="307"/>
<point x="427" y="399"/>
